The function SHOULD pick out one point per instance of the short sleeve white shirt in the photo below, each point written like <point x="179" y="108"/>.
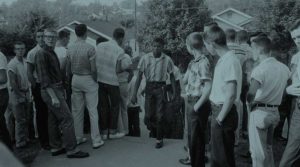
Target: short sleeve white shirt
<point x="228" y="68"/>
<point x="272" y="76"/>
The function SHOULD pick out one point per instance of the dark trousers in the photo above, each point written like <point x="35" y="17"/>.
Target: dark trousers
<point x="223" y="138"/>
<point x="4" y="134"/>
<point x="154" y="108"/>
<point x="41" y="115"/>
<point x="60" y="119"/>
<point x="108" y="108"/>
<point x="197" y="124"/>
<point x="134" y="121"/>
<point x="284" y="112"/>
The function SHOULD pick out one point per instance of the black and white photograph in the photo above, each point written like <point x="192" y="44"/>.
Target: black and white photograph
<point x="150" y="83"/>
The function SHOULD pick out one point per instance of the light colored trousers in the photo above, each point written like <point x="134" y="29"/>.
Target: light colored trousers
<point x="85" y="93"/>
<point x="262" y="122"/>
<point x="123" y="116"/>
<point x="291" y="152"/>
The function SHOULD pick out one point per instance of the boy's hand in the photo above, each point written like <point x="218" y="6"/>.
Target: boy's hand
<point x="134" y="99"/>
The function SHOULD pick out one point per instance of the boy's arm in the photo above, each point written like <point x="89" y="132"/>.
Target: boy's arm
<point x="13" y="83"/>
<point x="173" y="84"/>
<point x="3" y="76"/>
<point x="205" y="94"/>
<point x="230" y="96"/>
<point x="136" y="87"/>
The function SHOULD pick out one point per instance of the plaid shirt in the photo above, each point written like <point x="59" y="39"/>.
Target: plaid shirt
<point x="198" y="72"/>
<point x="48" y="67"/>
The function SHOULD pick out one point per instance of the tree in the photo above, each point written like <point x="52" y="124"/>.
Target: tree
<point x="173" y="20"/>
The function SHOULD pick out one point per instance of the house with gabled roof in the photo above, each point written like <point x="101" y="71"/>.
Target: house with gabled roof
<point x="101" y="29"/>
<point x="232" y="19"/>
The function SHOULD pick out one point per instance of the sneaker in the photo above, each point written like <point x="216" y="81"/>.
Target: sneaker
<point x="58" y="152"/>
<point x="104" y="137"/>
<point x="81" y="141"/>
<point x="185" y="161"/>
<point x="116" y="135"/>
<point x="98" y="144"/>
<point x="79" y="154"/>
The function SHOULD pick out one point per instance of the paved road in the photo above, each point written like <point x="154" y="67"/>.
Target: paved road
<point x="126" y="152"/>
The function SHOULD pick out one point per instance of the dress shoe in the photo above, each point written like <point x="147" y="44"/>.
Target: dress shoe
<point x="185" y="161"/>
<point x="58" y="152"/>
<point x="159" y="145"/>
<point x="46" y="147"/>
<point x="79" y="154"/>
<point x="98" y="144"/>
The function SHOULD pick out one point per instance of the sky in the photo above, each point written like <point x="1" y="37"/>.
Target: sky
<point x="83" y="2"/>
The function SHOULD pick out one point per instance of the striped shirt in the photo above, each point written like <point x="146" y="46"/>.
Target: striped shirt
<point x="156" y="69"/>
<point x="239" y="51"/>
<point x="80" y="54"/>
<point x="107" y="55"/>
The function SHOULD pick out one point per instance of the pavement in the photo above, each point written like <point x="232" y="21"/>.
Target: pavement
<point x="124" y="152"/>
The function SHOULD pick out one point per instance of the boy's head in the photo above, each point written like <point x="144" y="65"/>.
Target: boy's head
<point x="158" y="45"/>
<point x="208" y="25"/>
<point x="261" y="45"/>
<point x="50" y="37"/>
<point x="230" y="35"/>
<point x="242" y="36"/>
<point x="81" y="30"/>
<point x="119" y="35"/>
<point x="295" y="33"/>
<point x="214" y="38"/>
<point x="19" y="48"/>
<point x="39" y="36"/>
<point x="194" y="42"/>
<point x="64" y="37"/>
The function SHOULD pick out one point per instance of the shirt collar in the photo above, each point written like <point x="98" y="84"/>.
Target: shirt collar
<point x="198" y="58"/>
<point x="163" y="56"/>
<point x="48" y="48"/>
<point x="267" y="60"/>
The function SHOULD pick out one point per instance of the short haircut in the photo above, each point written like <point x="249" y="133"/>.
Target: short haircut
<point x="195" y="40"/>
<point x="230" y="34"/>
<point x="242" y="36"/>
<point x="159" y="40"/>
<point x="50" y="30"/>
<point x="263" y="42"/>
<point x="217" y="35"/>
<point x="63" y="34"/>
<point x="128" y="50"/>
<point x="80" y="30"/>
<point x="295" y="25"/>
<point x="119" y="33"/>
<point x="19" y="43"/>
<point x="212" y="23"/>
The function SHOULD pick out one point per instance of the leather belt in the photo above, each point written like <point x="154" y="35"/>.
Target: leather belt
<point x="265" y="105"/>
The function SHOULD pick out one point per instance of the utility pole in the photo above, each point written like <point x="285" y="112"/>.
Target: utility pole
<point x="135" y="25"/>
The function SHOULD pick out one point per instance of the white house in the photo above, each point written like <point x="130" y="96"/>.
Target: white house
<point x="232" y="19"/>
<point x="103" y="30"/>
